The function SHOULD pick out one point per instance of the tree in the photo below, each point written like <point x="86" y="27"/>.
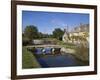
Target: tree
<point x="26" y="41"/>
<point x="40" y="35"/>
<point x="31" y="32"/>
<point x="58" y="33"/>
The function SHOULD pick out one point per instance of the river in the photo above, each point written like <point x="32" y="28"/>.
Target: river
<point x="58" y="60"/>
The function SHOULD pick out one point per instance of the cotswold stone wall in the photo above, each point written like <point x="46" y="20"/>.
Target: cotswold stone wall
<point x="38" y="41"/>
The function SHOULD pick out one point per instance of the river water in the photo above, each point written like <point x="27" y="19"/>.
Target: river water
<point x="58" y="60"/>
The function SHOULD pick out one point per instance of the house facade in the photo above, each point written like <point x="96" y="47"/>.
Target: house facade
<point x="78" y="35"/>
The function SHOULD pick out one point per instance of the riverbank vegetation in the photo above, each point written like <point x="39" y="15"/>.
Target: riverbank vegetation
<point x="29" y="60"/>
<point x="82" y="52"/>
<point x="31" y="32"/>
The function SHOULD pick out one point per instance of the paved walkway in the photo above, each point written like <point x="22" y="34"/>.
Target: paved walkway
<point x="68" y="50"/>
<point x="47" y="45"/>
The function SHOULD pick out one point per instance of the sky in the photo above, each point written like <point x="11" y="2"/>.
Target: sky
<point x="46" y="22"/>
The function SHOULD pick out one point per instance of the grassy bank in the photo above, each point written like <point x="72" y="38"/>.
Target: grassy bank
<point x="29" y="60"/>
<point x="82" y="62"/>
<point x="81" y="52"/>
<point x="66" y="45"/>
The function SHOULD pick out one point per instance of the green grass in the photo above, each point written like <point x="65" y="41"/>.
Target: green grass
<point x="29" y="60"/>
<point x="66" y="45"/>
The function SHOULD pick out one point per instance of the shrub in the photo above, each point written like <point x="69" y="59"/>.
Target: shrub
<point x="82" y="52"/>
<point x="26" y="41"/>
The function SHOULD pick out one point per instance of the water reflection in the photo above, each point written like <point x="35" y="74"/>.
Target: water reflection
<point x="57" y="61"/>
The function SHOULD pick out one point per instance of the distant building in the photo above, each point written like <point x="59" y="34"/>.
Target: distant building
<point x="78" y="34"/>
<point x="65" y="36"/>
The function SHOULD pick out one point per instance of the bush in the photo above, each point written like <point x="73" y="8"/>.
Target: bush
<point x="82" y="52"/>
<point x="26" y="41"/>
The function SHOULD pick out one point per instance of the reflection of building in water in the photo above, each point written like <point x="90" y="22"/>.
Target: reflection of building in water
<point x="77" y="35"/>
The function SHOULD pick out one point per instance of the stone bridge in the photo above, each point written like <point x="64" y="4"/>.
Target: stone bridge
<point x="44" y="46"/>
